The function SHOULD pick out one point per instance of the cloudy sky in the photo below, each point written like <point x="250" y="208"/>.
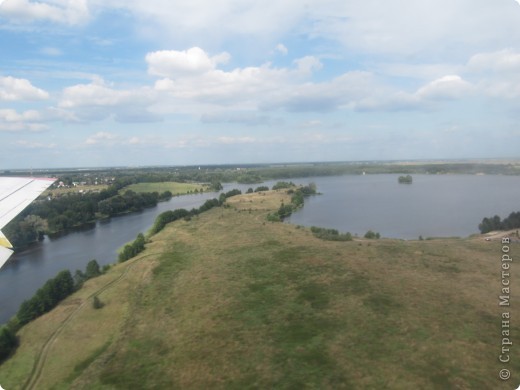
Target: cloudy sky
<point x="168" y="82"/>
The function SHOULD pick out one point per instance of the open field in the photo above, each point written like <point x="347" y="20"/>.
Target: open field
<point x="75" y="190"/>
<point x="174" y="187"/>
<point x="230" y="301"/>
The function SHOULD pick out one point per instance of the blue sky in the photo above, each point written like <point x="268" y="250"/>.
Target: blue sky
<point x="156" y="82"/>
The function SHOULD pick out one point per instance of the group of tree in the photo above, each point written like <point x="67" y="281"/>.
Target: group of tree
<point x="495" y="223"/>
<point x="372" y="235"/>
<point x="330" y="234"/>
<point x="8" y="342"/>
<point x="133" y="249"/>
<point x="47" y="297"/>
<point x="222" y="198"/>
<point x="166" y="217"/>
<point x="283" y="184"/>
<point x="130" y="201"/>
<point x="91" y="271"/>
<point x="405" y="179"/>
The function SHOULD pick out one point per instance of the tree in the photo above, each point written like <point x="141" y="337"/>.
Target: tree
<point x="27" y="311"/>
<point x="92" y="269"/>
<point x="489" y="224"/>
<point x="64" y="284"/>
<point x="372" y="235"/>
<point x="8" y="342"/>
<point x="79" y="278"/>
<point x="96" y="303"/>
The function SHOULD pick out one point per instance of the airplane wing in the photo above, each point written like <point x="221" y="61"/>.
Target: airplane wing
<point x="16" y="193"/>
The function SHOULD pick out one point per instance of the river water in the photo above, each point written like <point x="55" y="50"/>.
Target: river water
<point x="434" y="205"/>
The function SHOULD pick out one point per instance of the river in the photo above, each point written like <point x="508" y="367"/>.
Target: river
<point x="434" y="205"/>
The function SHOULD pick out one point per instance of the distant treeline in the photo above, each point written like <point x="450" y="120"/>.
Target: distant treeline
<point x="72" y="210"/>
<point x="495" y="223"/>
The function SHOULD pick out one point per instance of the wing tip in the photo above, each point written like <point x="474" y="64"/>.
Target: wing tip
<point x="5" y="254"/>
<point x="4" y="242"/>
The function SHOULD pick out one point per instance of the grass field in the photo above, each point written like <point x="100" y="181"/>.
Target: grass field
<point x="174" y="187"/>
<point x="230" y="301"/>
<point x="75" y="190"/>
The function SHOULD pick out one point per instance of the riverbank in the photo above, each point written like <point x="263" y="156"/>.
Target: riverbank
<point x="229" y="300"/>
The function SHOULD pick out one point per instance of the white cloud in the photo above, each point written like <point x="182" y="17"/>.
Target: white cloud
<point x="281" y="49"/>
<point x="308" y="64"/>
<point x="34" y="145"/>
<point x="202" y="22"/>
<point x="61" y="11"/>
<point x="506" y="60"/>
<point x="446" y="87"/>
<point x="101" y="137"/>
<point x="12" y="89"/>
<point x="173" y="64"/>
<point x="244" y="88"/>
<point x="97" y="101"/>
<point x="95" y="95"/>
<point x="498" y="73"/>
<point x="424" y="28"/>
<point x="135" y="141"/>
<point x="12" y="121"/>
<point x="345" y="91"/>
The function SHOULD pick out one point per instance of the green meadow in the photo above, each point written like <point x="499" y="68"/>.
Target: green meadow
<point x="174" y="187"/>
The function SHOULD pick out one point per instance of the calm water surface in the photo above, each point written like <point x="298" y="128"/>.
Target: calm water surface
<point x="433" y="205"/>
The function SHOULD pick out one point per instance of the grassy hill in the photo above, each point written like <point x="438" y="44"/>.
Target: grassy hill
<point x="230" y="301"/>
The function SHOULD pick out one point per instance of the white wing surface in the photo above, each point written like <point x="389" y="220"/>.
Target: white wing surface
<point x="16" y="193"/>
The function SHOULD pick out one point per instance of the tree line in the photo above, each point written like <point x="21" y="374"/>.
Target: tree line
<point x="330" y="234"/>
<point x="496" y="223"/>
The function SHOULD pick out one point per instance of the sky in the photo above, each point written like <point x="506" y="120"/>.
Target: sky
<point x="91" y="83"/>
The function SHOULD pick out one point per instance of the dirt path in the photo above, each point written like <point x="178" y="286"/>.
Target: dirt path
<point x="498" y="235"/>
